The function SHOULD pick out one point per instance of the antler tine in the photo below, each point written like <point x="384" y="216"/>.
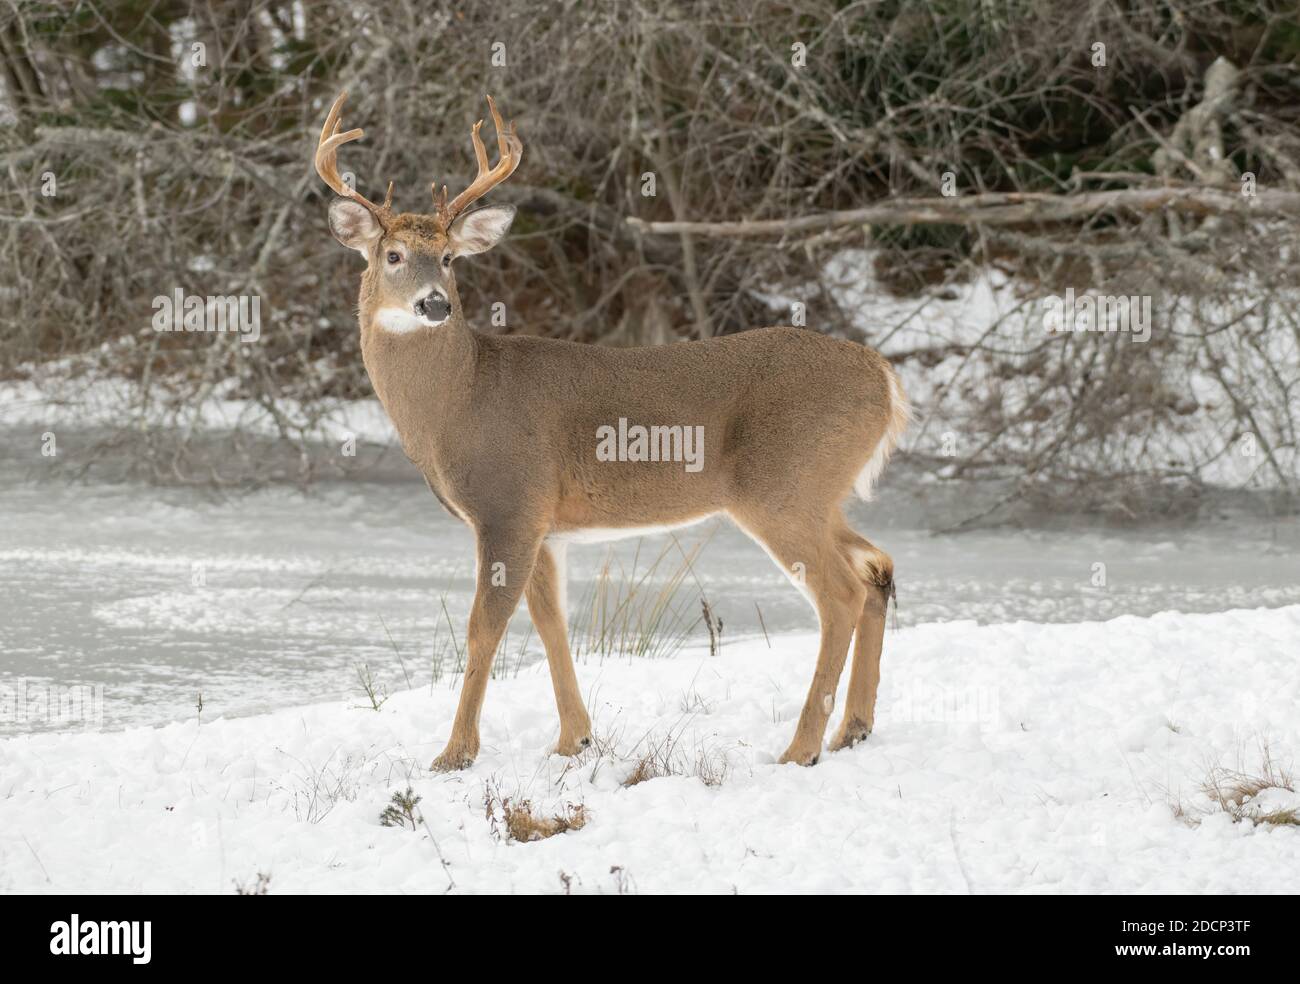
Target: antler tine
<point x="480" y="153"/>
<point x="507" y="140"/>
<point x="326" y="160"/>
<point x="510" y="151"/>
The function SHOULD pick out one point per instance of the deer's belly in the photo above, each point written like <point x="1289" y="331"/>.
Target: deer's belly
<point x="603" y="534"/>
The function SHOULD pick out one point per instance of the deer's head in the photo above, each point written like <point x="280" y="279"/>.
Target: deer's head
<point x="409" y="284"/>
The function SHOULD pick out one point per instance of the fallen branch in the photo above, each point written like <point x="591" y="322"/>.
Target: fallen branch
<point x="998" y="208"/>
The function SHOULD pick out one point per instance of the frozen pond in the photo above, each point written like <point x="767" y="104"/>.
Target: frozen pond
<point x="273" y="598"/>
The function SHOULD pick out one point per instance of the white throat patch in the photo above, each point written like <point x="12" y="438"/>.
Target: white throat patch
<point x="401" y="322"/>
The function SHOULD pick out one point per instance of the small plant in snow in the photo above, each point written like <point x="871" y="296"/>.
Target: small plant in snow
<point x="623" y="884"/>
<point x="447" y="649"/>
<point x="693" y="703"/>
<point x="320" y="788"/>
<point x="714" y="625"/>
<point x="259" y="887"/>
<point x="370" y="686"/>
<point x="401" y="810"/>
<point x="711" y="767"/>
<point x="662" y="757"/>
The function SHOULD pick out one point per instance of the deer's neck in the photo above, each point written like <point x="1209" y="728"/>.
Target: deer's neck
<point x="423" y="379"/>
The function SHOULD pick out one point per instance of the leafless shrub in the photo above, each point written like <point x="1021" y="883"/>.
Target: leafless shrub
<point x="172" y="174"/>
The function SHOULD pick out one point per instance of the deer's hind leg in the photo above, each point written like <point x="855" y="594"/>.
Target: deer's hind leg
<point x="876" y="570"/>
<point x="545" y="595"/>
<point x="810" y="549"/>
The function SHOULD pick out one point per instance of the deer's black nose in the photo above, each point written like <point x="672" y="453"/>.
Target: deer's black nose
<point x="433" y="307"/>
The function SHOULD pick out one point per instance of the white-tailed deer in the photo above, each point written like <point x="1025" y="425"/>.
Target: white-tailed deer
<point x="536" y="442"/>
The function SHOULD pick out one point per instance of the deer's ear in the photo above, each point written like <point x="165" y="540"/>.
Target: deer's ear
<point x="353" y="225"/>
<point x="481" y="229"/>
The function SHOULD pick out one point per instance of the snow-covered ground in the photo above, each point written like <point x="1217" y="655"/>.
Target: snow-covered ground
<point x="1019" y="757"/>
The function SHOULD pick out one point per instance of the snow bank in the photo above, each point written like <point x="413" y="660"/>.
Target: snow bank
<point x="102" y="401"/>
<point x="1007" y="758"/>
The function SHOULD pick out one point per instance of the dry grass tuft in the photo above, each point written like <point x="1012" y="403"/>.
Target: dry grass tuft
<point x="1247" y="794"/>
<point x="523" y="824"/>
<point x="711" y="767"/>
<point x="663" y="757"/>
<point x="647" y="767"/>
<point x="1237" y="792"/>
<point x="640" y="611"/>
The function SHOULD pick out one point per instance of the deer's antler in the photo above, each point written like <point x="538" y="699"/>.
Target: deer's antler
<point x="510" y="150"/>
<point x="327" y="163"/>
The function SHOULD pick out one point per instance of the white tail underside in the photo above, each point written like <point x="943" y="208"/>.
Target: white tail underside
<point x="899" y="415"/>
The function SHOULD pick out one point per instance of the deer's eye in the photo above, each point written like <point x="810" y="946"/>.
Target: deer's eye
<point x="394" y="257"/>
<point x="446" y="260"/>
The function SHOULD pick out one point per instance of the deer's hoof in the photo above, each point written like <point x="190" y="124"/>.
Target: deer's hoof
<point x="572" y="746"/>
<point x="850" y="733"/>
<point x="799" y="756"/>
<point x="453" y="760"/>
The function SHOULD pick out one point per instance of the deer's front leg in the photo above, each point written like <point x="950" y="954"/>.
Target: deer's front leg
<point x="506" y="556"/>
<point x="545" y="594"/>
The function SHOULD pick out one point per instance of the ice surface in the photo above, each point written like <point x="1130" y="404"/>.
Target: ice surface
<point x="270" y="599"/>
